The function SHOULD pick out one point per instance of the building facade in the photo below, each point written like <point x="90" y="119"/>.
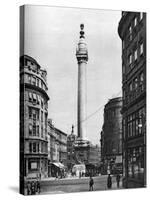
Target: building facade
<point x="132" y="31"/>
<point x="111" y="137"/>
<point x="33" y="119"/>
<point x="57" y="154"/>
<point x="62" y="140"/>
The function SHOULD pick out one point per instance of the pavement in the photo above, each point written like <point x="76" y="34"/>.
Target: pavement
<point x="75" y="184"/>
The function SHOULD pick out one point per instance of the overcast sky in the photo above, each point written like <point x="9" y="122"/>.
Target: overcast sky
<point x="51" y="37"/>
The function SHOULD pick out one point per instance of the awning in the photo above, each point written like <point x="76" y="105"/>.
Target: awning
<point x="58" y="164"/>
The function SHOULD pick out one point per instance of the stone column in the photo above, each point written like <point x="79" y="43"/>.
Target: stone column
<point x="82" y="58"/>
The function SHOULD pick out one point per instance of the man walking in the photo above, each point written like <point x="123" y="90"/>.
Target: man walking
<point x="118" y="180"/>
<point x="91" y="183"/>
<point x="109" y="181"/>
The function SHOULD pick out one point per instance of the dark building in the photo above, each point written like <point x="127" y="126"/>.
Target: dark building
<point x="33" y="119"/>
<point x="111" y="137"/>
<point x="132" y="31"/>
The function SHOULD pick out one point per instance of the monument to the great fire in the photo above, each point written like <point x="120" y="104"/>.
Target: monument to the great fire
<point x="81" y="143"/>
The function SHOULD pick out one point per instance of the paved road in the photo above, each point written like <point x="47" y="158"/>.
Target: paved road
<point x="75" y="185"/>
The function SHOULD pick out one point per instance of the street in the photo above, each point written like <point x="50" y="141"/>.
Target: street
<point x="75" y="185"/>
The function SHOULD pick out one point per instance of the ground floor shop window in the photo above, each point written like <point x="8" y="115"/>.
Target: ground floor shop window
<point x="136" y="162"/>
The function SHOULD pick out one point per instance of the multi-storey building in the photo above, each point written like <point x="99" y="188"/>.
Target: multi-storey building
<point x="132" y="31"/>
<point x="62" y="140"/>
<point x="111" y="136"/>
<point x="33" y="119"/>
<point x="57" y="155"/>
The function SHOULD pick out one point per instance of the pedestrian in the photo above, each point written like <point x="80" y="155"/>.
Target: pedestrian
<point x="28" y="188"/>
<point x="118" y="180"/>
<point x="91" y="183"/>
<point x="80" y="174"/>
<point x="109" y="181"/>
<point x="38" y="187"/>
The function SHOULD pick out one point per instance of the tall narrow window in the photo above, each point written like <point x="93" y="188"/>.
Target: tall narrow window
<point x="135" y="55"/>
<point x="42" y="131"/>
<point x="141" y="16"/>
<point x="34" y="98"/>
<point x="37" y="129"/>
<point x="30" y="129"/>
<point x="38" y="148"/>
<point x="30" y="96"/>
<point x="41" y="84"/>
<point x="34" y="147"/>
<point x="33" y="80"/>
<point x="130" y="32"/>
<point x="38" y="82"/>
<point x="135" y="83"/>
<point x="130" y="59"/>
<point x="38" y="99"/>
<point x="142" y="81"/>
<point x="41" y="103"/>
<point x="29" y="78"/>
<point x="130" y="87"/>
<point x="30" y="147"/>
<point x="41" y="116"/>
<point x="141" y="48"/>
<point x="30" y="112"/>
<point x="135" y="21"/>
<point x="34" y="129"/>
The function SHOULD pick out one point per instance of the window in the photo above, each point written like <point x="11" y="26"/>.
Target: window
<point x="38" y="99"/>
<point x="30" y="129"/>
<point x="33" y="80"/>
<point x="34" y="129"/>
<point x="142" y="81"/>
<point x="130" y="87"/>
<point x="41" y="103"/>
<point x="30" y="96"/>
<point x="30" y="112"/>
<point x="38" y="82"/>
<point x="41" y="84"/>
<point x="41" y="116"/>
<point x="34" y="147"/>
<point x="141" y="77"/>
<point x="135" y="83"/>
<point x="141" y="16"/>
<point x="135" y="21"/>
<point x="37" y="129"/>
<point x="34" y="165"/>
<point x="30" y="147"/>
<point x="38" y="147"/>
<point x="130" y="59"/>
<point x="135" y="55"/>
<point x="29" y="78"/>
<point x="130" y="32"/>
<point x="41" y="131"/>
<point x="141" y="48"/>
<point x="34" y="97"/>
